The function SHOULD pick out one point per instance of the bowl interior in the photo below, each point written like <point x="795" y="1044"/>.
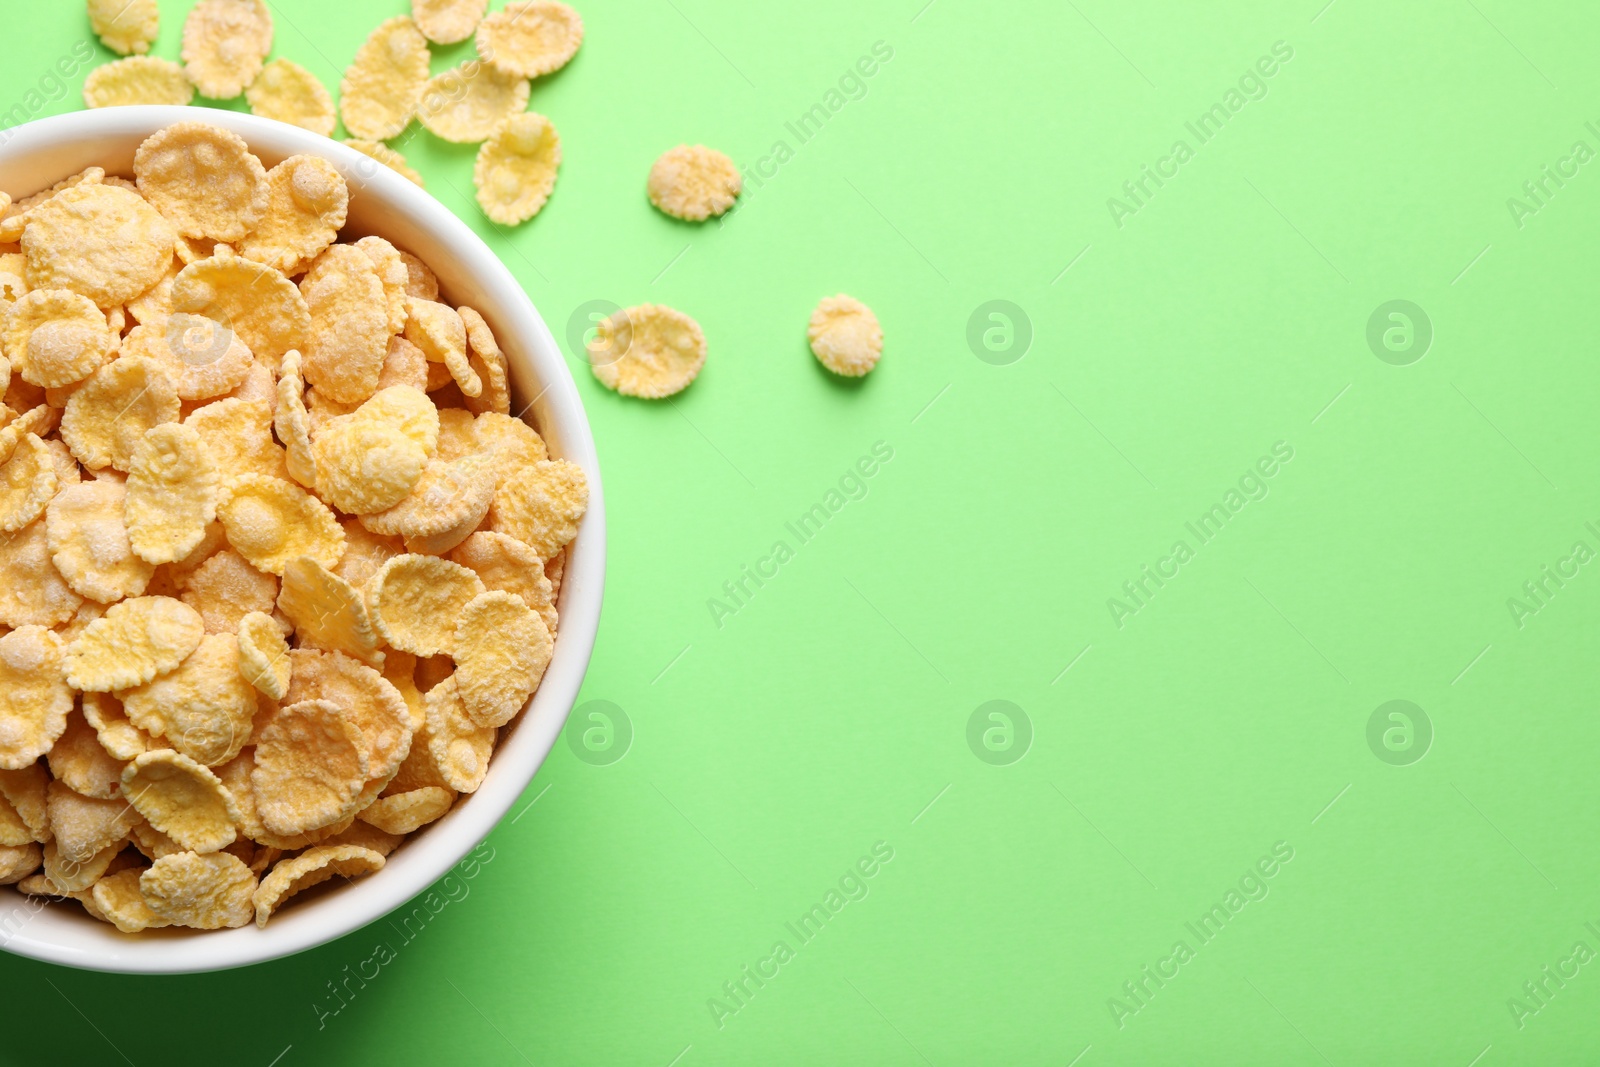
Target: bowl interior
<point x="37" y="155"/>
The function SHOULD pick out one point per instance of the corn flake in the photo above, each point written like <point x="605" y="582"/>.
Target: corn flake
<point x="137" y="80"/>
<point x="108" y="415"/>
<point x="647" y="351"/>
<point x="404" y="365"/>
<point x="264" y="655"/>
<point x="27" y="482"/>
<point x="72" y="877"/>
<point x="19" y="861"/>
<point x="183" y="799"/>
<point x="171" y="494"/>
<point x="845" y="336"/>
<point x="32" y="591"/>
<point x="393" y="274"/>
<point x="327" y="611"/>
<point x="125" y="26"/>
<point x="460" y="748"/>
<point x="34" y="700"/>
<point x="98" y="240"/>
<point x="488" y="363"/>
<point x="541" y="505"/>
<point x="117" y="734"/>
<point x="312" y="867"/>
<point x="55" y="337"/>
<point x="376" y="707"/>
<point x="131" y="643"/>
<point x="382" y="153"/>
<point x="307" y="204"/>
<point x="271" y="521"/>
<point x="442" y="335"/>
<point x="530" y="37"/>
<point x="238" y="434"/>
<point x="288" y="92"/>
<point x="502" y="648"/>
<point x="310" y="766"/>
<point x="466" y="104"/>
<point x="349" y="324"/>
<point x="504" y="563"/>
<point x="119" y="898"/>
<point x="202" y="178"/>
<point x="364" y="465"/>
<point x="516" y="168"/>
<point x="263" y="307"/>
<point x="416" y="599"/>
<point x="224" y="43"/>
<point x="693" y="182"/>
<point x="206" y="892"/>
<point x="380" y="90"/>
<point x="203" y="709"/>
<point x="82" y="827"/>
<point x="90" y="545"/>
<point x="82" y="763"/>
<point x="226" y="588"/>
<point x="403" y="813"/>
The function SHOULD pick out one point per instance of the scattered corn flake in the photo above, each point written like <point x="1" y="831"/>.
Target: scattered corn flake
<point x="81" y="827"/>
<point x="349" y="324"/>
<point x="117" y="734"/>
<point x="183" y="799"/>
<point x="19" y="861"/>
<point x="238" y="434"/>
<point x="466" y="104"/>
<point x="504" y="563"/>
<point x="448" y="21"/>
<point x="226" y="588"/>
<point x="34" y="700"/>
<point x="310" y="766"/>
<point x="421" y="281"/>
<point x="529" y="38"/>
<point x="541" y="505"/>
<point x="82" y="763"/>
<point x="403" y="813"/>
<point x="224" y="44"/>
<point x="307" y="204"/>
<point x="89" y="542"/>
<point x="98" y="240"/>
<point x="288" y="92"/>
<point x="460" y="748"/>
<point x="171" y="494"/>
<point x="271" y="521"/>
<point x="266" y="309"/>
<point x="119" y="898"/>
<point x="202" y="178"/>
<point x="70" y="876"/>
<point x="516" y="168"/>
<point x="693" y="182"/>
<point x="133" y="642"/>
<point x="125" y="26"/>
<point x="203" y="709"/>
<point x="647" y="351"/>
<point x="206" y="892"/>
<point x="448" y="503"/>
<point x="416" y="599"/>
<point x="404" y="365"/>
<point x="264" y="655"/>
<point x="376" y="707"/>
<point x="26" y="790"/>
<point x="27" y="482"/>
<point x="312" y="867"/>
<point x="393" y="274"/>
<point x="327" y="611"/>
<point x="55" y="337"/>
<point x="502" y="649"/>
<point x="106" y="418"/>
<point x="137" y="80"/>
<point x="488" y="362"/>
<point x="845" y="336"/>
<point x="379" y="92"/>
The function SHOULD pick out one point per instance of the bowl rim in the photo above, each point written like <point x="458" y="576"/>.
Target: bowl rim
<point x="82" y="942"/>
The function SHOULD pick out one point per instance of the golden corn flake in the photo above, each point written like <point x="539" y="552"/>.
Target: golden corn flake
<point x="235" y="774"/>
<point x="271" y="521"/>
<point x="506" y="564"/>
<point x="226" y="588"/>
<point x="403" y="813"/>
<point x="238" y="434"/>
<point x="422" y="283"/>
<point x="512" y="444"/>
<point x="458" y="434"/>
<point x="466" y="104"/>
<point x="380" y="90"/>
<point x="89" y="542"/>
<point x="364" y="835"/>
<point x="25" y="790"/>
<point x="288" y="92"/>
<point x="207" y="892"/>
<point x="203" y="358"/>
<point x="34" y="700"/>
<point x="365" y="466"/>
<point x="82" y="763"/>
<point x="202" y="178"/>
<point x="108" y="415"/>
<point x="14" y="831"/>
<point x="121" y="739"/>
<point x="393" y="274"/>
<point x="171" y="494"/>
<point x="155" y="303"/>
<point x="27" y="482"/>
<point x="311" y="762"/>
<point x="516" y="168"/>
<point x="16" y="216"/>
<point x="259" y="386"/>
<point x="182" y="799"/>
<point x="449" y="501"/>
<point x="502" y="648"/>
<point x="448" y="21"/>
<point x="81" y="827"/>
<point x="442" y="335"/>
<point x="264" y="655"/>
<point x="98" y="240"/>
<point x="530" y="37"/>
<point x="137" y="80"/>
<point x="364" y="553"/>
<point x="693" y="182"/>
<point x="322" y="410"/>
<point x="460" y="748"/>
<point x="845" y="336"/>
<point x="224" y="43"/>
<point x="488" y="363"/>
<point x="387" y="156"/>
<point x="415" y="601"/>
<point x="54" y="337"/>
<point x="647" y="351"/>
<point x="125" y="26"/>
<point x="307" y="204"/>
<point x="263" y="307"/>
<point x="203" y="709"/>
<point x="349" y="324"/>
<point x="327" y="611"/>
<point x="152" y="842"/>
<point x="373" y="703"/>
<point x="32" y="591"/>
<point x="19" y="861"/>
<point x="405" y="409"/>
<point x="293" y="423"/>
<point x="72" y="877"/>
<point x="312" y="867"/>
<point x="404" y="365"/>
<point x="541" y="505"/>
<point x="119" y="898"/>
<point x="132" y="643"/>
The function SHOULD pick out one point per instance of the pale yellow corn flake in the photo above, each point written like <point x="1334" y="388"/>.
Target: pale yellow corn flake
<point x="203" y="358"/>
<point x="293" y="423"/>
<point x="288" y="92"/>
<point x="26" y="790"/>
<point x="511" y="443"/>
<point x="648" y="351"/>
<point x="845" y="336"/>
<point x="364" y="835"/>
<point x="448" y="21"/>
<point x="422" y="283"/>
<point x="203" y="708"/>
<point x="205" y="892"/>
<point x="118" y="896"/>
<point x="312" y="867"/>
<point x="349" y="324"/>
<point x="90" y="545"/>
<point x="365" y="552"/>
<point x="183" y="799"/>
<point x="137" y="80"/>
<point x="388" y="157"/>
<point x="238" y="434"/>
<point x="416" y="599"/>
<point x="14" y="831"/>
<point x="270" y="521"/>
<point x="71" y="876"/>
<point x="132" y="643"/>
<point x="693" y="182"/>
<point x="55" y="337"/>
<point x="38" y="420"/>
<point x="224" y="44"/>
<point x="460" y="748"/>
<point x="365" y="466"/>
<point x="152" y="842"/>
<point x="34" y="698"/>
<point x="458" y="435"/>
<point x="263" y="307"/>
<point x="504" y="563"/>
<point x="393" y="274"/>
<point x="67" y="469"/>
<point x="19" y="861"/>
<point x="516" y="168"/>
<point x="322" y="410"/>
<point x="408" y="410"/>
<point x="404" y="364"/>
<point x="259" y="386"/>
<point x="502" y="649"/>
<point x="530" y="38"/>
<point x="328" y="612"/>
<point x="202" y="178"/>
<point x="27" y="482"/>
<point x="488" y="362"/>
<point x="117" y="734"/>
<point x="264" y="655"/>
<point x="382" y="86"/>
<point x="108" y="415"/>
<point x="310" y="766"/>
<point x="194" y="249"/>
<point x="16" y="216"/>
<point x="542" y="505"/>
<point x="235" y="774"/>
<point x="371" y="701"/>
<point x="82" y="827"/>
<point x="98" y="240"/>
<point x="441" y="333"/>
<point x="171" y="494"/>
<point x="448" y="503"/>
<point x="308" y="201"/>
<point x="155" y="303"/>
<point x="79" y="760"/>
<point x="404" y="813"/>
<point x="125" y="26"/>
<point x="466" y="104"/>
<point x="226" y="588"/>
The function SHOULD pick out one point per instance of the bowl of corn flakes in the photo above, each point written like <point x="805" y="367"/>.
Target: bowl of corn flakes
<point x="302" y="542"/>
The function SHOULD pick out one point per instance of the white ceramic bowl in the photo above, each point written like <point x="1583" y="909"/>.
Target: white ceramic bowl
<point x="37" y="155"/>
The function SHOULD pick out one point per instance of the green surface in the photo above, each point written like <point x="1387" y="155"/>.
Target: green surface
<point x="1169" y="749"/>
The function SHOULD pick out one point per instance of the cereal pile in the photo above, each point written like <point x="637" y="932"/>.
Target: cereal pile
<point x="276" y="561"/>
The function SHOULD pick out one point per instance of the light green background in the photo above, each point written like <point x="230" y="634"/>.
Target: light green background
<point x="1230" y="713"/>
